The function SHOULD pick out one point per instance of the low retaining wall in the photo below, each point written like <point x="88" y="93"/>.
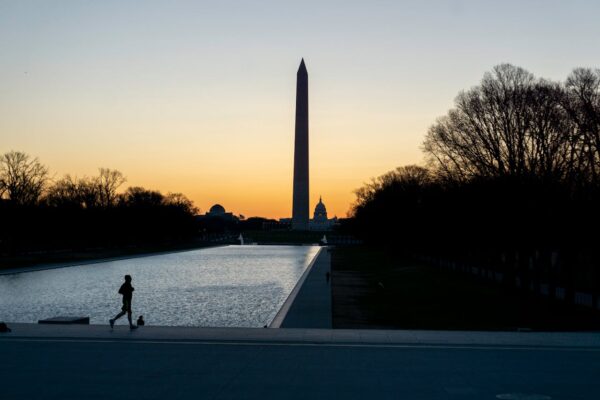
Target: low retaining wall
<point x="541" y="288"/>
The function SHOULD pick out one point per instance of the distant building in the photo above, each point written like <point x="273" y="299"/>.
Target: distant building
<point x="320" y="222"/>
<point x="218" y="211"/>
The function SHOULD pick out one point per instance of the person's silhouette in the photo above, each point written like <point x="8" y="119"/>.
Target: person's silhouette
<point x="127" y="291"/>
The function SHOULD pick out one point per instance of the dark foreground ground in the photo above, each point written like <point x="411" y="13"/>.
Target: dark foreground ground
<point x="373" y="288"/>
<point x="92" y="362"/>
<point x="95" y="362"/>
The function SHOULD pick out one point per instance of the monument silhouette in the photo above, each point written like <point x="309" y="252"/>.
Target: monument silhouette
<point x="300" y="198"/>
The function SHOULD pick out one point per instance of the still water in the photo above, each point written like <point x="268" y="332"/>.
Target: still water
<point x="241" y="286"/>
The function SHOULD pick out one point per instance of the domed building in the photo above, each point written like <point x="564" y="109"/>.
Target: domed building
<point x="320" y="214"/>
<point x="320" y="222"/>
<point x="218" y="211"/>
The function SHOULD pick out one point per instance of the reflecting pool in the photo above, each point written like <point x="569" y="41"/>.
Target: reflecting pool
<point x="231" y="286"/>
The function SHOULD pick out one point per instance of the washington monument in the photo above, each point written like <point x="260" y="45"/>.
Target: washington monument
<point x="300" y="201"/>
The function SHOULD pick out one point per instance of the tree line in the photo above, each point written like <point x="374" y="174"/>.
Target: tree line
<point x="511" y="182"/>
<point x="41" y="214"/>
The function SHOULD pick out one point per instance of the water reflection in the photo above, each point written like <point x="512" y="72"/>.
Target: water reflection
<point x="226" y="286"/>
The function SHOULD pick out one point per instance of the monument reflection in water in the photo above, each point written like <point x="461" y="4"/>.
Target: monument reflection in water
<point x="242" y="286"/>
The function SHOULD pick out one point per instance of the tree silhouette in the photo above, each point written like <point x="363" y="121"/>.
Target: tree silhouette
<point x="79" y="213"/>
<point x="22" y="179"/>
<point x="108" y="182"/>
<point x="582" y="103"/>
<point x="512" y="184"/>
<point x="511" y="125"/>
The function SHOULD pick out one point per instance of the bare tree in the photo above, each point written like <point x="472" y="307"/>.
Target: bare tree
<point x="22" y="179"/>
<point x="89" y="193"/>
<point x="407" y="179"/>
<point x="582" y="103"/>
<point x="98" y="191"/>
<point x="64" y="192"/>
<point x="180" y="201"/>
<point x="550" y="146"/>
<point x="74" y="192"/>
<point x="509" y="125"/>
<point x="143" y="198"/>
<point x="139" y="197"/>
<point x="107" y="184"/>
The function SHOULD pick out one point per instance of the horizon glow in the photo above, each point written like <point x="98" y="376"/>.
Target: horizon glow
<point x="198" y="98"/>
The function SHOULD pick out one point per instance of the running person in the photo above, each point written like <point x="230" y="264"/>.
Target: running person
<point x="127" y="291"/>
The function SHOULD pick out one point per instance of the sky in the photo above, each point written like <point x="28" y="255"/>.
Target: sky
<point x="198" y="97"/>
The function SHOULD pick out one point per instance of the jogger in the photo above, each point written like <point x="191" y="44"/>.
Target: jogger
<point x="127" y="291"/>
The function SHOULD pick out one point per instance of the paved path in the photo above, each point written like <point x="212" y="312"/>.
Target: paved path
<point x="93" y="362"/>
<point x="310" y="307"/>
<point x="583" y="340"/>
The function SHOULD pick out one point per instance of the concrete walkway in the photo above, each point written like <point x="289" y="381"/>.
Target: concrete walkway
<point x="121" y="333"/>
<point x="93" y="362"/>
<point x="309" y="304"/>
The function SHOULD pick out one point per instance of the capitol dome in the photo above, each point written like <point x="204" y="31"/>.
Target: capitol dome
<point x="217" y="209"/>
<point x="320" y="210"/>
<point x="320" y="222"/>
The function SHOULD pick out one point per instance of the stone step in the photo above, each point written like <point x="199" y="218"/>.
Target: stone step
<point x="69" y="320"/>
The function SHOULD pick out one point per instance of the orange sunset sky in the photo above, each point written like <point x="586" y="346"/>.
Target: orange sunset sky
<point x="199" y="98"/>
